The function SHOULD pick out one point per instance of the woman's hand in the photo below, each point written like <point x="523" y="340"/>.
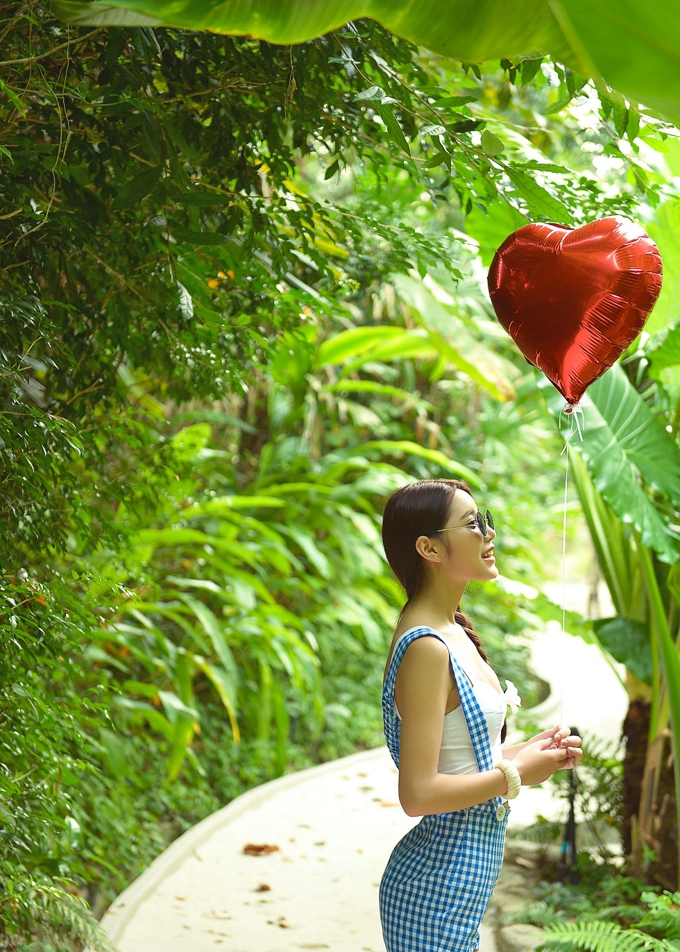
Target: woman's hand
<point x="539" y="759"/>
<point x="560" y="737"/>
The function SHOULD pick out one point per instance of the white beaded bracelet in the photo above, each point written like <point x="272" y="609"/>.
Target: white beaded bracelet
<point x="512" y="777"/>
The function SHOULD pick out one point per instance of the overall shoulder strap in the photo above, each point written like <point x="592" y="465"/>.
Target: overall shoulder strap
<point x="476" y="721"/>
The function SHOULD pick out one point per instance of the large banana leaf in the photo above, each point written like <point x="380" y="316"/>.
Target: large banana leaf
<point x="632" y="44"/>
<point x="615" y="555"/>
<point x="623" y="443"/>
<point x="358" y="346"/>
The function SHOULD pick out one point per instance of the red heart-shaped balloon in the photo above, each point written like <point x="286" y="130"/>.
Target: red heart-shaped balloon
<point x="574" y="299"/>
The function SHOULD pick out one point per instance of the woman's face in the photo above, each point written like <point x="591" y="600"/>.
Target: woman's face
<point x="467" y="554"/>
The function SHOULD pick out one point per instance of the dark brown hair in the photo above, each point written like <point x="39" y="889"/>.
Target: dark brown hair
<point x="414" y="510"/>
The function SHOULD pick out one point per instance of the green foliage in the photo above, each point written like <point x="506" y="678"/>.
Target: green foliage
<point x="601" y="937"/>
<point x="595" y="39"/>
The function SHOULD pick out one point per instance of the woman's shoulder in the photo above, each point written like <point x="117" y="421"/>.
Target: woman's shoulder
<point x="427" y="646"/>
<point x="430" y="644"/>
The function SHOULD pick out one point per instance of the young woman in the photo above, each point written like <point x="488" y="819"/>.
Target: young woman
<point x="444" y="713"/>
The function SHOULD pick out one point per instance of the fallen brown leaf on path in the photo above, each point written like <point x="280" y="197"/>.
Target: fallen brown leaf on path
<point x="255" y="849"/>
<point x="263" y="887"/>
<point x="386" y="803"/>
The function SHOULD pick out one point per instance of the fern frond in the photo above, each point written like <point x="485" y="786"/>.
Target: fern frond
<point x="539" y="914"/>
<point x="601" y="937"/>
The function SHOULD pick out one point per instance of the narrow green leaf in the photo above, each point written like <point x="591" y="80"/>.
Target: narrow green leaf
<point x="331" y="170"/>
<point x="439" y="158"/>
<point x="620" y="117"/>
<point x="197" y="238"/>
<point x="12" y="96"/>
<point x="557" y="106"/>
<point x="352" y="342"/>
<point x="372" y="386"/>
<point x="212" y="628"/>
<point x="529" y="69"/>
<point x="137" y="188"/>
<point x="541" y="203"/>
<point x="223" y="504"/>
<point x="633" y="125"/>
<point x="432" y="130"/>
<point x="399" y="447"/>
<point x="393" y="127"/>
<point x="226" y="690"/>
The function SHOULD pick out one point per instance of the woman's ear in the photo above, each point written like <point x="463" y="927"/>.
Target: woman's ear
<point x="429" y="549"/>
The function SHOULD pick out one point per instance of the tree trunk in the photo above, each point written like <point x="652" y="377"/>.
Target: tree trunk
<point x="654" y="856"/>
<point x="635" y="733"/>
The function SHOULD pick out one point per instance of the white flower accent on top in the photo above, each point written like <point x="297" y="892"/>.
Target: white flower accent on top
<point x="512" y="698"/>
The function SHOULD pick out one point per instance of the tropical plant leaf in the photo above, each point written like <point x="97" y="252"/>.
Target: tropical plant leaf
<point x="664" y="229"/>
<point x="663" y="350"/>
<point x="353" y="342"/>
<point x="628" y="420"/>
<point x="617" y="431"/>
<point x="380" y="389"/>
<point x="627" y="43"/>
<point x="226" y="689"/>
<point x="445" y="327"/>
<point x="399" y="447"/>
<point x="627" y="641"/>
<point x="487" y="29"/>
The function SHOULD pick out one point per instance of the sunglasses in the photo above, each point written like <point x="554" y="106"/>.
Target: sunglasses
<point x="481" y="521"/>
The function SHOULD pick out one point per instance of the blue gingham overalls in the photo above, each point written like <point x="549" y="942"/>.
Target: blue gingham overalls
<point x="440" y="876"/>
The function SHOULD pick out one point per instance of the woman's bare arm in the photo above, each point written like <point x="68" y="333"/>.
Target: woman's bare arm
<point x="425" y="682"/>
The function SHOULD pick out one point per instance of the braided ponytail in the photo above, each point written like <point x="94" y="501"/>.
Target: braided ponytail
<point x="465" y="623"/>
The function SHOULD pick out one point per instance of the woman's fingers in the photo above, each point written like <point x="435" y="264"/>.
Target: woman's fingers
<point x="574" y="756"/>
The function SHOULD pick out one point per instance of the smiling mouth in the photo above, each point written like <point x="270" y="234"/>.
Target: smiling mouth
<point x="488" y="555"/>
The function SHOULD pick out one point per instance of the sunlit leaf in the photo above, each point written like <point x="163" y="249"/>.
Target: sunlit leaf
<point x="400" y="447"/>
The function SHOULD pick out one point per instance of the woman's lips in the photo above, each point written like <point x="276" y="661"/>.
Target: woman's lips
<point x="489" y="556"/>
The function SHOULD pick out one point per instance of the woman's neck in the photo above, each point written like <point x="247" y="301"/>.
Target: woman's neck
<point x="437" y="601"/>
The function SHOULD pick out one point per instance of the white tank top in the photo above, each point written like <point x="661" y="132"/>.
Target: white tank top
<point x="456" y="753"/>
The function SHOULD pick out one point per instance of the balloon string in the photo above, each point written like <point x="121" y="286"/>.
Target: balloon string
<point x="574" y="413"/>
<point x="576" y="425"/>
<point x="564" y="569"/>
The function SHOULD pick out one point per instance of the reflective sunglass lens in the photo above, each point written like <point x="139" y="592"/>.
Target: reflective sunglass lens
<point x="489" y="520"/>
